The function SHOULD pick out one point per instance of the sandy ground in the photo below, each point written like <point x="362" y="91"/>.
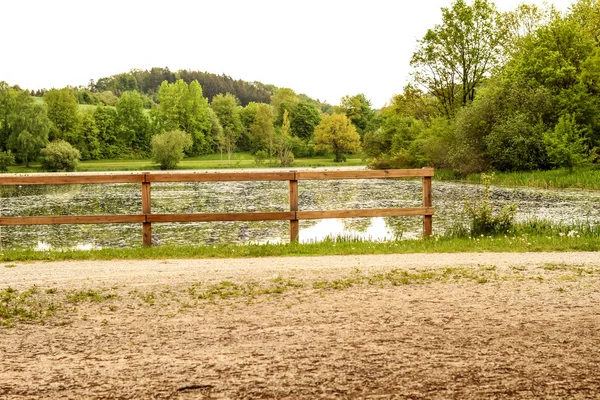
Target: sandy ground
<point x="464" y="326"/>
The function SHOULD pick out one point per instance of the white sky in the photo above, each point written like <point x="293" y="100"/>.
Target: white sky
<point x="324" y="48"/>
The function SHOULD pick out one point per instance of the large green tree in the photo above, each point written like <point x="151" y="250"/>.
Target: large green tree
<point x="134" y="125"/>
<point x="63" y="112"/>
<point x="225" y="107"/>
<point x="284" y="99"/>
<point x="335" y="133"/>
<point x="454" y="58"/>
<point x="24" y="124"/>
<point x="305" y="118"/>
<point x="262" y="130"/>
<point x="182" y="107"/>
<point x="358" y="109"/>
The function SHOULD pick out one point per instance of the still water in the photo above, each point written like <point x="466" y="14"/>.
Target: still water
<point x="448" y="198"/>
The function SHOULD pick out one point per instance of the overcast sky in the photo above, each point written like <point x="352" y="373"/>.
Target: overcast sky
<point x="324" y="48"/>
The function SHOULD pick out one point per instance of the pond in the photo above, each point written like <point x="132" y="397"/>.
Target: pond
<point x="563" y="206"/>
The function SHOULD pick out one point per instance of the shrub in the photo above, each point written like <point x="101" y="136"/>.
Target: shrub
<point x="484" y="221"/>
<point x="7" y="158"/>
<point x="168" y="148"/>
<point x="59" y="156"/>
<point x="260" y="157"/>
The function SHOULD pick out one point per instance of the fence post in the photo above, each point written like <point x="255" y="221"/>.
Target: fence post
<point x="146" y="209"/>
<point x="427" y="219"/>
<point x="294" y="225"/>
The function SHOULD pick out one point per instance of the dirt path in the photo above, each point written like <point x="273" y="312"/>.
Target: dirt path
<point x="395" y="326"/>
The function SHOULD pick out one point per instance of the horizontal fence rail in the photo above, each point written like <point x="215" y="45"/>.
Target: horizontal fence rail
<point x="146" y="218"/>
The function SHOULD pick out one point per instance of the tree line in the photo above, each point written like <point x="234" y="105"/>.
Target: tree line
<point x="281" y="129"/>
<point x="511" y="91"/>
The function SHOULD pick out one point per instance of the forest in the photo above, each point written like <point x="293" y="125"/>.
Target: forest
<point x="489" y="91"/>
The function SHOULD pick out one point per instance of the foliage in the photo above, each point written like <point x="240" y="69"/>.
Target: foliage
<point x="183" y="107"/>
<point x="453" y="59"/>
<point x="564" y="144"/>
<point x="305" y="118"/>
<point x="225" y="108"/>
<point x="63" y="113"/>
<point x="284" y="99"/>
<point x="336" y="133"/>
<point x="168" y="148"/>
<point x="260" y="156"/>
<point x="262" y="131"/>
<point x="24" y="125"/>
<point x="484" y="220"/>
<point x="358" y="110"/>
<point x="60" y="155"/>
<point x="133" y="124"/>
<point x="282" y="142"/>
<point x="7" y="159"/>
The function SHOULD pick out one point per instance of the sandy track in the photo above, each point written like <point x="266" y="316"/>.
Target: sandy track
<point x="530" y="329"/>
<point x="149" y="272"/>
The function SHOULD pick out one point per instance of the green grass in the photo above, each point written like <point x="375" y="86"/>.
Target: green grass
<point x="211" y="161"/>
<point x="580" y="178"/>
<point x="27" y="305"/>
<point x="534" y="237"/>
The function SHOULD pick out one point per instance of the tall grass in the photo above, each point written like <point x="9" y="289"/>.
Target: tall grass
<point x="523" y="237"/>
<point x="587" y="177"/>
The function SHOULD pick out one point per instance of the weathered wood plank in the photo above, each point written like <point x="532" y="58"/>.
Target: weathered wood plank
<point x="294" y="224"/>
<point x="372" y="212"/>
<point x="219" y="176"/>
<point x="214" y="217"/>
<point x="146" y="209"/>
<point x="427" y="219"/>
<point x="78" y="219"/>
<point x="47" y="179"/>
<point x="381" y="174"/>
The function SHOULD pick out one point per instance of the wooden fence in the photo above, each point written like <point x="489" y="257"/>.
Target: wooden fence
<point x="146" y="218"/>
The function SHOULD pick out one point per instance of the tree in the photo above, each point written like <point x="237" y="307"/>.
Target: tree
<point x="183" y="107"/>
<point x="63" y="112"/>
<point x="282" y="142"/>
<point x="336" y="133"/>
<point x="168" y="148"/>
<point x="215" y="138"/>
<point x="305" y="118"/>
<point x="7" y="159"/>
<point x="60" y="155"/>
<point x="24" y="124"/>
<point x="134" y="126"/>
<point x="105" y="122"/>
<point x="225" y="107"/>
<point x="564" y="144"/>
<point x="586" y="13"/>
<point x="454" y="58"/>
<point x="89" y="146"/>
<point x="412" y="103"/>
<point x="283" y="99"/>
<point x="262" y="131"/>
<point x="358" y="109"/>
<point x="247" y="117"/>
<point x="553" y="57"/>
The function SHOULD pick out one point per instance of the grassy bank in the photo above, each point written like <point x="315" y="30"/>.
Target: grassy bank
<point x="580" y="178"/>
<point x="211" y="161"/>
<point x="524" y="242"/>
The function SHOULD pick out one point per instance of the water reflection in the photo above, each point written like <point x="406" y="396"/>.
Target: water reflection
<point x="558" y="206"/>
<point x="377" y="230"/>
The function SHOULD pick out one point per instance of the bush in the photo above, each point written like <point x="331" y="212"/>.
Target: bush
<point x="59" y="156"/>
<point x="7" y="158"/>
<point x="168" y="148"/>
<point x="484" y="221"/>
<point x="260" y="157"/>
